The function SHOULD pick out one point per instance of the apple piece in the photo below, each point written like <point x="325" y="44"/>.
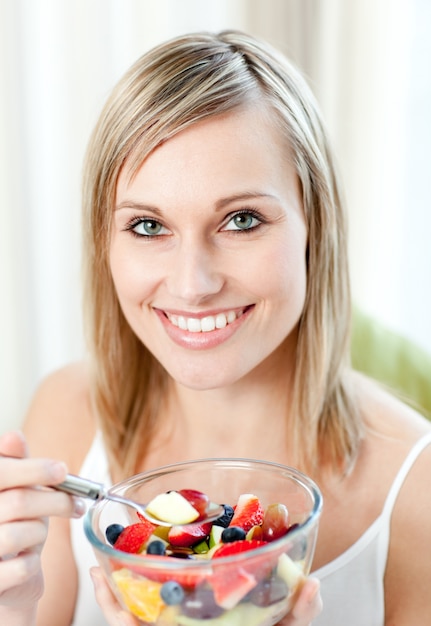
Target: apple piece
<point x="201" y="547"/>
<point x="215" y="535"/>
<point x="289" y="571"/>
<point x="173" y="508"/>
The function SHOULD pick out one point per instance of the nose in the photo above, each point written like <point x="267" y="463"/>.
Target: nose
<point x="195" y="274"/>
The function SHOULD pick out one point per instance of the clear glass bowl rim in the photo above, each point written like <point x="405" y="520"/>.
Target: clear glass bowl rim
<point x="172" y="564"/>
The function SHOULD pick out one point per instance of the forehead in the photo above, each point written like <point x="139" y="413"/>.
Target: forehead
<point x="243" y="146"/>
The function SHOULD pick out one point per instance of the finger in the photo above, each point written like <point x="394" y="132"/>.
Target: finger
<point x="17" y="571"/>
<point x="13" y="444"/>
<point x="308" y="605"/>
<point x="25" y="472"/>
<point x="112" y="611"/>
<point x="27" y="503"/>
<point x="18" y="537"/>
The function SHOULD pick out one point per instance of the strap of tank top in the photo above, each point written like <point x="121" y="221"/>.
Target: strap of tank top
<point x="409" y="461"/>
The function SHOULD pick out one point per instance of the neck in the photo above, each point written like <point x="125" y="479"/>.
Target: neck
<point x="247" y="419"/>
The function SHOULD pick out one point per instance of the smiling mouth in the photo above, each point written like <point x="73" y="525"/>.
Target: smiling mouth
<point x="205" y="324"/>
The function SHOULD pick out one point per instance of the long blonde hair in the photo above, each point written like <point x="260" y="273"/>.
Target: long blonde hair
<point x="187" y="79"/>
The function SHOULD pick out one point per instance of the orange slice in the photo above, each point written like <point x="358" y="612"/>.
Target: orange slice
<point x="141" y="597"/>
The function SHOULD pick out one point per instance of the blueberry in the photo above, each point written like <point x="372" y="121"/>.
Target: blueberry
<point x="156" y="547"/>
<point x="113" y="532"/>
<point x="233" y="533"/>
<point x="172" y="593"/>
<point x="224" y="520"/>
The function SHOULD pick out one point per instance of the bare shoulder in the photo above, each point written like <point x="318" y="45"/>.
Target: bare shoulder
<point x="388" y="415"/>
<point x="59" y="421"/>
<point x="393" y="429"/>
<point x="408" y="570"/>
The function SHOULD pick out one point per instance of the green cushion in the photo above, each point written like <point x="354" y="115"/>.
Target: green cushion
<point x="393" y="360"/>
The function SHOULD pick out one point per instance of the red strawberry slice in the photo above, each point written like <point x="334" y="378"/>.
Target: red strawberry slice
<point x="230" y="586"/>
<point x="186" y="536"/>
<point x="134" y="537"/>
<point x="235" y="547"/>
<point x="230" y="583"/>
<point x="259" y="565"/>
<point x="248" y="512"/>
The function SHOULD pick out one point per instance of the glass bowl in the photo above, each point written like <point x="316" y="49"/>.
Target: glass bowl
<point x="250" y="588"/>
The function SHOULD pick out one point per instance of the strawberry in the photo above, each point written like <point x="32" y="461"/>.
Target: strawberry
<point x="230" y="587"/>
<point x="228" y="549"/>
<point x="258" y="565"/>
<point x="186" y="536"/>
<point x="248" y="512"/>
<point x="230" y="583"/>
<point x="134" y="537"/>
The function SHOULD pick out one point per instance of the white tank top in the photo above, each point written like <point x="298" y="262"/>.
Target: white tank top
<point x="351" y="585"/>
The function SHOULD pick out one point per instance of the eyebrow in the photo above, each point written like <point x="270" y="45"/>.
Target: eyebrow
<point x="247" y="195"/>
<point x="137" y="206"/>
<point x="219" y="205"/>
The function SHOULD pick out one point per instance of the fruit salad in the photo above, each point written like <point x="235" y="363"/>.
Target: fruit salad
<point x="222" y="575"/>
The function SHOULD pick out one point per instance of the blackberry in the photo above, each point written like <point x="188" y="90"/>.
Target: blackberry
<point x="224" y="520"/>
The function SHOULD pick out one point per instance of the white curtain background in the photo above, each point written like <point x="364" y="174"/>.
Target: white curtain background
<point x="367" y="61"/>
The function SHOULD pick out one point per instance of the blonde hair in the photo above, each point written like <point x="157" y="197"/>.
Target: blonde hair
<point x="187" y="79"/>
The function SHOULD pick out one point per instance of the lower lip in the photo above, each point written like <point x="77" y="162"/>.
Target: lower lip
<point x="201" y="341"/>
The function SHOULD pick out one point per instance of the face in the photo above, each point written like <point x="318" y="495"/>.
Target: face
<point x="208" y="251"/>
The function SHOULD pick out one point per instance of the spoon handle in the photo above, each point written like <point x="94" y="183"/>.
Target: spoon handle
<point x="77" y="486"/>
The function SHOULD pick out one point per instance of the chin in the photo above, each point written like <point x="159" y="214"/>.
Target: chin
<point x="200" y="379"/>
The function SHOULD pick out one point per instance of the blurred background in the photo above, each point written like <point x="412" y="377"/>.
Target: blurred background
<point x="367" y="61"/>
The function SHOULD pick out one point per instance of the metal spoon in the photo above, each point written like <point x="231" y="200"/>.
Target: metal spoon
<point x="85" y="488"/>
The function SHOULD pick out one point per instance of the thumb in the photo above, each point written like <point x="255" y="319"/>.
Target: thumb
<point x="13" y="444"/>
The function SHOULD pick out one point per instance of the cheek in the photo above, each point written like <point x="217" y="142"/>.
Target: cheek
<point x="132" y="278"/>
<point x="283" y="274"/>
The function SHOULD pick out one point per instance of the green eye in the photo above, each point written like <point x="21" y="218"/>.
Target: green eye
<point x="243" y="221"/>
<point x="148" y="228"/>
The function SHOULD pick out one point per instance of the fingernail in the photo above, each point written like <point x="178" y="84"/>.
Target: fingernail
<point x="79" y="507"/>
<point x="57" y="470"/>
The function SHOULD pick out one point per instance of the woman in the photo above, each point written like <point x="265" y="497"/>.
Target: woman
<point x="218" y="311"/>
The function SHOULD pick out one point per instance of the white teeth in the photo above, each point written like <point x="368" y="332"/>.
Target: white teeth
<point x="207" y="324"/>
<point x="193" y="325"/>
<point x="231" y="317"/>
<point x="204" y="325"/>
<point x="220" y="320"/>
<point x="182" y="323"/>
